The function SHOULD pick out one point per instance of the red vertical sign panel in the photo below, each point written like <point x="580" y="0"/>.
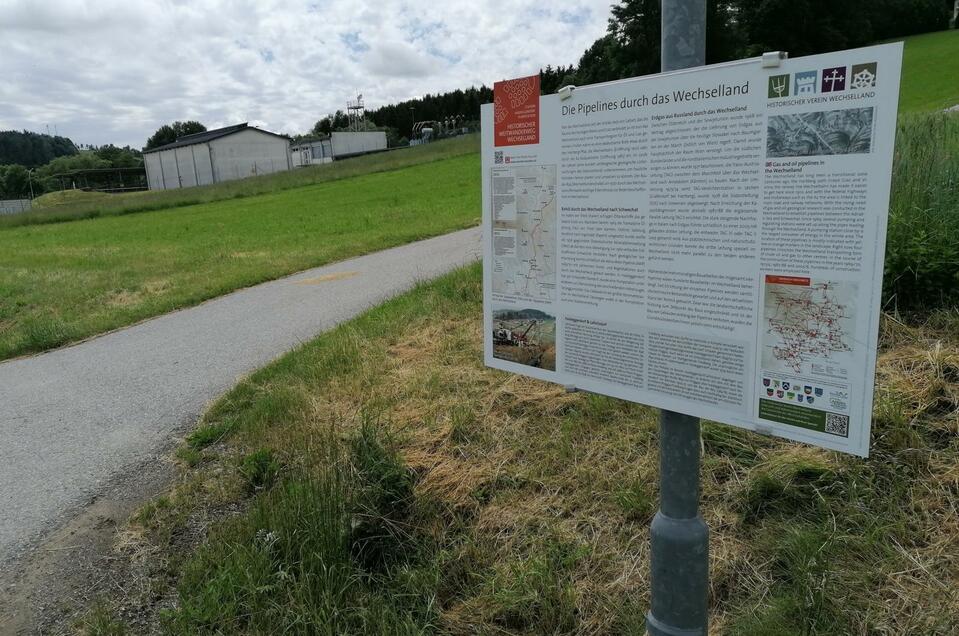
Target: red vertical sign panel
<point x="516" y="112"/>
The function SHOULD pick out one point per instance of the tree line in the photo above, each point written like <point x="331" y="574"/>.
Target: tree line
<point x="32" y="149"/>
<point x="18" y="182"/>
<point x="734" y="30"/>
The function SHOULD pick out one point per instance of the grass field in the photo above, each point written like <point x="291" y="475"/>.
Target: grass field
<point x="66" y="281"/>
<point x="393" y="485"/>
<point x="56" y="208"/>
<point x="930" y="67"/>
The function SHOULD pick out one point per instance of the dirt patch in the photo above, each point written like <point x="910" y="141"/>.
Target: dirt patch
<point x="325" y="278"/>
<point x="54" y="583"/>
<point x="127" y="298"/>
<point x="124" y="298"/>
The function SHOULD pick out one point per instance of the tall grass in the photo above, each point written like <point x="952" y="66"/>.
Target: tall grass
<point x="319" y="553"/>
<point x="922" y="248"/>
<point x="160" y="199"/>
<point x="512" y="507"/>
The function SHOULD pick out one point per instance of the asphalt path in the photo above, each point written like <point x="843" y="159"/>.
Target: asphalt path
<point x="73" y="418"/>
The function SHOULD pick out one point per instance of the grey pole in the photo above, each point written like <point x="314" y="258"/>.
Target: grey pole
<point x="679" y="538"/>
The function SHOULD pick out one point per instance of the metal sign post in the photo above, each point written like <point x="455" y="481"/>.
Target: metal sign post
<point x="679" y="538"/>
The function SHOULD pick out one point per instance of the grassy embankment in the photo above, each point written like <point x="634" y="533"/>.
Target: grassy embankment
<point x="390" y="484"/>
<point x="930" y="65"/>
<point x="78" y="205"/>
<point x="66" y="281"/>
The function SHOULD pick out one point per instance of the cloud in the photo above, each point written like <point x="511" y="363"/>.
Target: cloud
<point x="399" y="59"/>
<point x="26" y="16"/>
<point x="111" y="71"/>
<point x="353" y="42"/>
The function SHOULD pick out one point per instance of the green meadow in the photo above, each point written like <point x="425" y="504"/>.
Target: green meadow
<point x="58" y="207"/>
<point x="930" y="66"/>
<point x="63" y="282"/>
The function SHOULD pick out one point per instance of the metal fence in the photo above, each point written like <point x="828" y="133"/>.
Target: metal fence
<point x="14" y="206"/>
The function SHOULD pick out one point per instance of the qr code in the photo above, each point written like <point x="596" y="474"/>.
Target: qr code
<point x="837" y="424"/>
<point x="498" y="156"/>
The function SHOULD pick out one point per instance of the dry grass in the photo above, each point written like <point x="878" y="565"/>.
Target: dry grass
<point x="536" y="503"/>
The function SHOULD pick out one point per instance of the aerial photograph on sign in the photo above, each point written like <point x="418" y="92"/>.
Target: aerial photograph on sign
<point x="525" y="336"/>
<point x="833" y="132"/>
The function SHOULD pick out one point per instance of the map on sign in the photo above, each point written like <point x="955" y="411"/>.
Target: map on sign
<point x="524" y="232"/>
<point x="808" y="325"/>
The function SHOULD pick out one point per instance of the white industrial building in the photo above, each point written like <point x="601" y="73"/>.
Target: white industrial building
<point x="349" y="144"/>
<point x="217" y="155"/>
<point x="339" y="145"/>
<point x="311" y="152"/>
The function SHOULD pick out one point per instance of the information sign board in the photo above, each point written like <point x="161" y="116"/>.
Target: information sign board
<point x="707" y="241"/>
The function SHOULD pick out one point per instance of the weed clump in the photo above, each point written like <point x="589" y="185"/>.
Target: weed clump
<point x="382" y="499"/>
<point x="259" y="469"/>
<point x="788" y="485"/>
<point x="536" y="593"/>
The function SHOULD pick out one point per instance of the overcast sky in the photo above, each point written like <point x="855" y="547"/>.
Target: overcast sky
<point x="113" y="71"/>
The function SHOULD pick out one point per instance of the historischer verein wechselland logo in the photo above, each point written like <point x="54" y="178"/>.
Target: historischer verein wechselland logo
<point x="834" y="79"/>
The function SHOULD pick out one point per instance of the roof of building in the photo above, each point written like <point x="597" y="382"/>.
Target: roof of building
<point x="86" y="171"/>
<point x="210" y="135"/>
<point x="306" y="141"/>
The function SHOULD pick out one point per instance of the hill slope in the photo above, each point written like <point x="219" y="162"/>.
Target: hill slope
<point x="930" y="72"/>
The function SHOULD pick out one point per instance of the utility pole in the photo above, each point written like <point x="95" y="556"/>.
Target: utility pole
<point x="679" y="538"/>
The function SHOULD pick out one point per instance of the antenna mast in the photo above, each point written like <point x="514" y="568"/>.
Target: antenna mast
<point x="356" y="112"/>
